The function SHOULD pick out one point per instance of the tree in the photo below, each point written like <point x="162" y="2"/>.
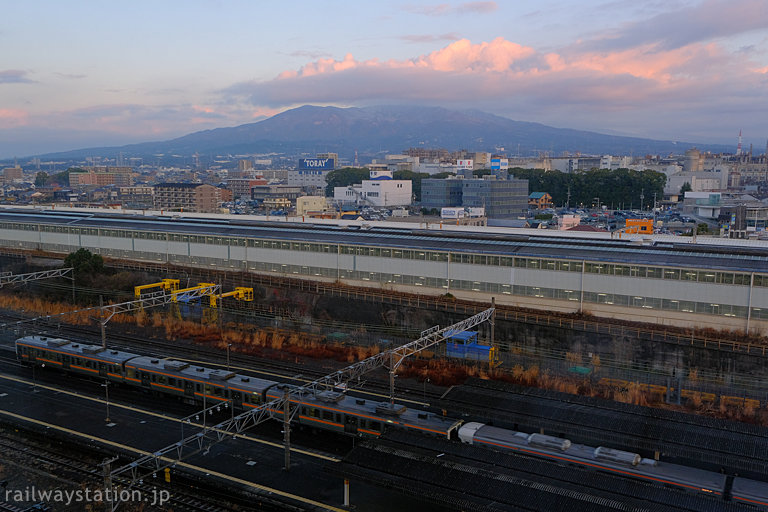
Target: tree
<point x="41" y="178"/>
<point x="345" y="177"/>
<point x="613" y="187"/>
<point x="84" y="263"/>
<point x="685" y="188"/>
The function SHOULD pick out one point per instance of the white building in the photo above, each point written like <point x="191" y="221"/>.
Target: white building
<point x="434" y="167"/>
<point x="307" y="178"/>
<point x="699" y="181"/>
<point x="615" y="162"/>
<point x="703" y="204"/>
<point x="381" y="190"/>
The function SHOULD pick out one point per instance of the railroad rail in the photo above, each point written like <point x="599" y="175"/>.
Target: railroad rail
<point x="74" y="468"/>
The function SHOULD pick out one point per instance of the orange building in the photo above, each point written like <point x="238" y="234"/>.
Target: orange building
<point x="639" y="226"/>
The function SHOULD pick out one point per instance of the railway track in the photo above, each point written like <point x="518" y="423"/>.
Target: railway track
<point x="677" y="437"/>
<point x="74" y="469"/>
<point x="283" y="369"/>
<point x="569" y="415"/>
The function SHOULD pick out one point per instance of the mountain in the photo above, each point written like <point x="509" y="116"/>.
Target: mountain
<point x="391" y="129"/>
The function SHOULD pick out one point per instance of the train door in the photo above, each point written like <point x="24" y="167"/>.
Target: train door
<point x="350" y="424"/>
<point x="145" y="379"/>
<point x="189" y="388"/>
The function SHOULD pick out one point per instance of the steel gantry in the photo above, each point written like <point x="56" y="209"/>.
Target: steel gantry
<point x="105" y="313"/>
<point x="168" y="285"/>
<point x="239" y="293"/>
<point x="202" y="441"/>
<point x="8" y="278"/>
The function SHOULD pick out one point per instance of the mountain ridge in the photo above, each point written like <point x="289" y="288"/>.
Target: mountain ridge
<point x="391" y="129"/>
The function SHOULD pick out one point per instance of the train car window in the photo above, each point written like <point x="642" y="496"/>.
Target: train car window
<point x="197" y="387"/>
<point x="327" y="415"/>
<point x="208" y="389"/>
<point x="130" y="372"/>
<point x="235" y="395"/>
<point x="374" y="425"/>
<point x="338" y="418"/>
<point x="161" y="379"/>
<point x="217" y="391"/>
<point x="172" y="381"/>
<point x="154" y="378"/>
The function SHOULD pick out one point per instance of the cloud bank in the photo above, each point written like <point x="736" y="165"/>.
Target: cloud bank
<point x="673" y="72"/>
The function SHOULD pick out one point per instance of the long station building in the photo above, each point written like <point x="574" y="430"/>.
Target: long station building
<point x="673" y="282"/>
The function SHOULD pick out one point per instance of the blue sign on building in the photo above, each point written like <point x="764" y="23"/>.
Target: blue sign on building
<point x="317" y="163"/>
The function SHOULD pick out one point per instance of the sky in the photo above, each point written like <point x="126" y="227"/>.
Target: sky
<point x="78" y="73"/>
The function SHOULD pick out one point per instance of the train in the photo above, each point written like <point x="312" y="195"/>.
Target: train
<point x="336" y="411"/>
<point x="617" y="462"/>
<point x="329" y="410"/>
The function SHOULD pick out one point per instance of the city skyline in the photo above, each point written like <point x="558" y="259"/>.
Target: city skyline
<point x="85" y="74"/>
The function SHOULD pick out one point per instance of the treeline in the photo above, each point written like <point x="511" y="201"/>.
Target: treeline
<point x="620" y="188"/>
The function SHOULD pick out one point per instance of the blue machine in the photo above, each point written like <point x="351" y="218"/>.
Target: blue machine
<point x="464" y="345"/>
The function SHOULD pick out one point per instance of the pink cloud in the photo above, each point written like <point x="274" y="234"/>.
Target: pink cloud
<point x="10" y="117"/>
<point x="446" y="9"/>
<point x="647" y="81"/>
<point x="206" y="110"/>
<point x="499" y="55"/>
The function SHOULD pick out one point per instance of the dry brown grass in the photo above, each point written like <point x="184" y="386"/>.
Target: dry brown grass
<point x="277" y="343"/>
<point x="573" y="357"/>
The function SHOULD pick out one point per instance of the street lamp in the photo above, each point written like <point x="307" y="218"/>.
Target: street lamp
<point x="228" y="345"/>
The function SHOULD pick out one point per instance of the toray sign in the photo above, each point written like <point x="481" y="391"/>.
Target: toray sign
<point x="316" y="163"/>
